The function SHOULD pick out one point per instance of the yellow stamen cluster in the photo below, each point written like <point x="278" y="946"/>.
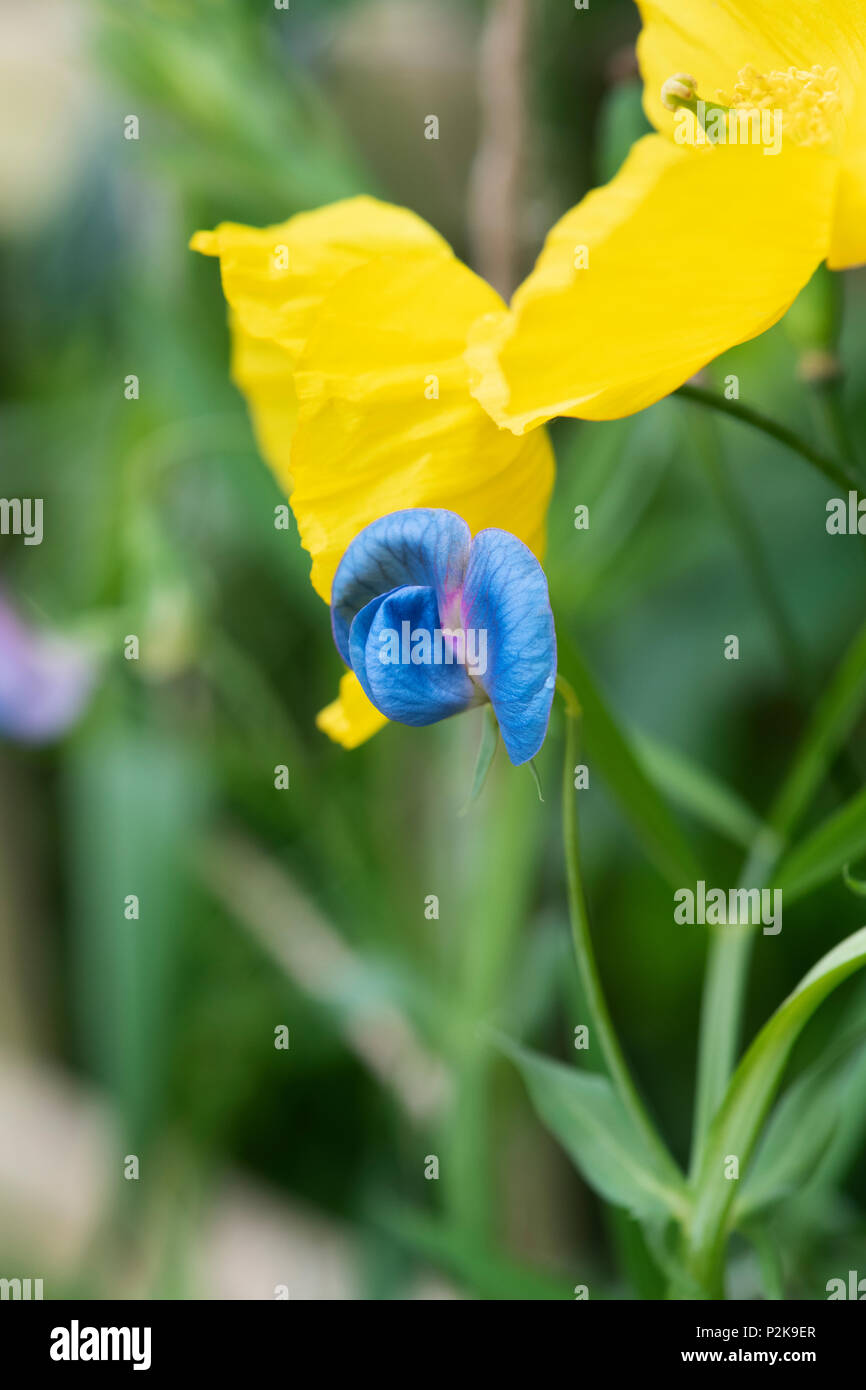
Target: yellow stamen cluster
<point x="808" y="99"/>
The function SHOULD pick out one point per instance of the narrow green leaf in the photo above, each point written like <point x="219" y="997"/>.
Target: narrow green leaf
<point x="536" y="779"/>
<point x="735" y="1129"/>
<point x="588" y="1118"/>
<point x="486" y="753"/>
<point x="689" y="785"/>
<point x="798" y="1133"/>
<point x="825" y="853"/>
<point x="638" y="798"/>
<point x="136" y="803"/>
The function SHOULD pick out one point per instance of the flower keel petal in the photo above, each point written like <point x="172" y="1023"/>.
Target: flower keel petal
<point x="419" y="546"/>
<point x="415" y="692"/>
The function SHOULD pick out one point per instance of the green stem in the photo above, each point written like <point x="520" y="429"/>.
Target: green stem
<point x="722" y="1004"/>
<point x="839" y="474"/>
<point x="725" y="981"/>
<point x="587" y="966"/>
<point x="730" y="949"/>
<point x="728" y="960"/>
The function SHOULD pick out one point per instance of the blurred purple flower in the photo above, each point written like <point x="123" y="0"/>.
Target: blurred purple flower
<point x="45" y="680"/>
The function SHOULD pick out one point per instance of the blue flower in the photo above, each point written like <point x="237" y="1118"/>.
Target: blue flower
<point x="45" y="680"/>
<point x="433" y="622"/>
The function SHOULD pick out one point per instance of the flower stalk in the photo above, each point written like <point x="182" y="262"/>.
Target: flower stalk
<point x="587" y="965"/>
<point x="837" y="473"/>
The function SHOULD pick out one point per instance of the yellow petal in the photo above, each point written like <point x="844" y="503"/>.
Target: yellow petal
<point x="714" y="40"/>
<point x="264" y="371"/>
<point x="848" y="241"/>
<point x="386" y="419"/>
<point x="350" y="719"/>
<point x="275" y="278"/>
<point x="687" y="251"/>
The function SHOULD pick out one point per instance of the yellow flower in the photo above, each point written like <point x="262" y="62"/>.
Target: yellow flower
<point x="349" y="328"/>
<point x="698" y="243"/>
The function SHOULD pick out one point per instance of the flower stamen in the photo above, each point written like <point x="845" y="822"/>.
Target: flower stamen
<point x="809" y="100"/>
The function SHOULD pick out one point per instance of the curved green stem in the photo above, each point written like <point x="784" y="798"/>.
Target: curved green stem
<point x="587" y="965"/>
<point x="839" y="474"/>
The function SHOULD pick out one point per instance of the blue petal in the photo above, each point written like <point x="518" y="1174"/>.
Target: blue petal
<point x="407" y="692"/>
<point x="359" y="635"/>
<point x="421" y="546"/>
<point x="505" y="594"/>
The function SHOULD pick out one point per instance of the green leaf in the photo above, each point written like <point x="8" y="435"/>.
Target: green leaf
<point x="753" y="1085"/>
<point x="835" y="716"/>
<point x="823" y="854"/>
<point x="137" y="802"/>
<point x="638" y="799"/>
<point x="696" y="790"/>
<point x="486" y="753"/>
<point x="798" y="1133"/>
<point x="588" y="1118"/>
<point x="535" y="779"/>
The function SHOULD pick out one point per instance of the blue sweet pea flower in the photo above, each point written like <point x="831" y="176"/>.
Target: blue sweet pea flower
<point x="433" y="622"/>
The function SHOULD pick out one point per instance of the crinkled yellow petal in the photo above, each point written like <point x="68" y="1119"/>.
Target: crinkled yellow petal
<point x="685" y="253"/>
<point x="264" y="371"/>
<point x="350" y="719"/>
<point x="714" y="39"/>
<point x="386" y="419"/>
<point x="275" y="278"/>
